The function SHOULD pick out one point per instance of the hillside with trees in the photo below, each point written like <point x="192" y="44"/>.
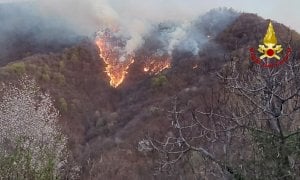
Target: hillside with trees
<point x="214" y="115"/>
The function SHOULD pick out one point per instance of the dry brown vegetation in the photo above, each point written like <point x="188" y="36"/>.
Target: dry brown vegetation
<point x="106" y="126"/>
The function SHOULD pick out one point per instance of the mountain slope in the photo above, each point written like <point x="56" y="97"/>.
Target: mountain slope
<point x="24" y="32"/>
<point x="105" y="124"/>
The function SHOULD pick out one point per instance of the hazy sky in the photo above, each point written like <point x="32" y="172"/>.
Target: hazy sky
<point x="283" y="11"/>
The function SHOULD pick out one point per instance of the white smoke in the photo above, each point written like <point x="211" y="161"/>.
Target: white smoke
<point x="134" y="20"/>
<point x="176" y="37"/>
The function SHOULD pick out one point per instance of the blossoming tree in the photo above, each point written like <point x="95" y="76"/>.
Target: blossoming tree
<point x="31" y="144"/>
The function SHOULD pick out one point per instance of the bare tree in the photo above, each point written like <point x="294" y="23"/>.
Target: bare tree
<point x="248" y="130"/>
<point x="268" y="101"/>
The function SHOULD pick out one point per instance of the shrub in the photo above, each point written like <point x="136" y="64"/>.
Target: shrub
<point x="61" y="65"/>
<point x="4" y="72"/>
<point x="45" y="77"/>
<point x="159" y="81"/>
<point x="59" y="78"/>
<point x="63" y="105"/>
<point x="17" y="68"/>
<point x="31" y="67"/>
<point x="74" y="58"/>
<point x="45" y="69"/>
<point x="101" y="122"/>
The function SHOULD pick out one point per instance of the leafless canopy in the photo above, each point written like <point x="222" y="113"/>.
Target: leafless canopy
<point x="250" y="129"/>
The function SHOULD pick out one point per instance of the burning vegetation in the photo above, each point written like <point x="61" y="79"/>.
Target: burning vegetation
<point x="156" y="64"/>
<point x="118" y="62"/>
<point x="121" y="43"/>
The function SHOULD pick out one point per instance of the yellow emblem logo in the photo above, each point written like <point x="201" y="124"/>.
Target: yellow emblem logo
<point x="270" y="48"/>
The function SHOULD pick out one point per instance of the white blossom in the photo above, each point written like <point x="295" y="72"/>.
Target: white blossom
<point x="28" y="115"/>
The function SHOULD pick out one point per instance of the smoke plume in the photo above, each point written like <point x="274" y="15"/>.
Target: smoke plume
<point x="25" y="31"/>
<point x="175" y="24"/>
<point x="134" y="20"/>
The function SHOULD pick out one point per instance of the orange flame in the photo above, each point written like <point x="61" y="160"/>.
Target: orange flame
<point x="116" y="69"/>
<point x="117" y="64"/>
<point x="155" y="65"/>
